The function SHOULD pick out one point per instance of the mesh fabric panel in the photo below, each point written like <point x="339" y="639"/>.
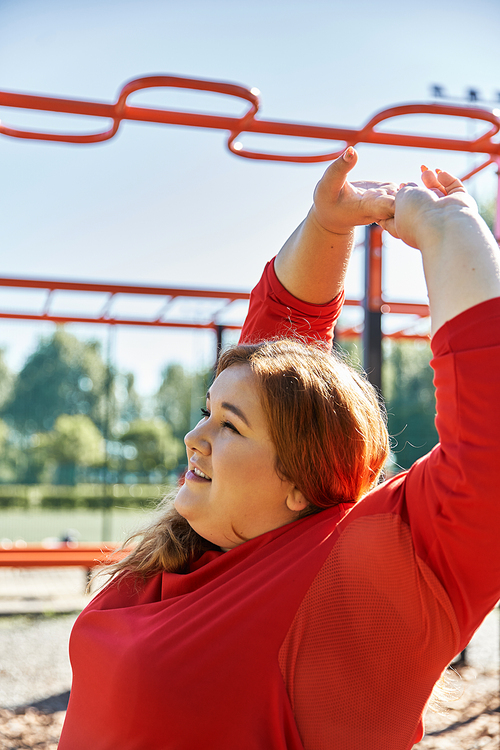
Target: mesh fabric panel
<point x="370" y="639"/>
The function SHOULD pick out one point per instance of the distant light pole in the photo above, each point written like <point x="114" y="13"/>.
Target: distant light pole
<point x="473" y="96"/>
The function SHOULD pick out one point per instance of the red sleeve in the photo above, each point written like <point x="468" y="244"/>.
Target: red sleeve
<point x="275" y="312"/>
<point x="453" y="494"/>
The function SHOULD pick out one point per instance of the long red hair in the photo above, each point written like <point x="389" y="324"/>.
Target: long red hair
<point x="325" y="419"/>
<point x="327" y="426"/>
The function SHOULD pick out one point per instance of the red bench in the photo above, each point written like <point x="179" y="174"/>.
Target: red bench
<point x="85" y="556"/>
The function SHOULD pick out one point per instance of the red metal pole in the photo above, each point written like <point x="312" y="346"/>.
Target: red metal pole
<point x="496" y="225"/>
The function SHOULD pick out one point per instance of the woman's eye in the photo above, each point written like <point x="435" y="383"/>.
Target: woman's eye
<point x="205" y="413"/>
<point x="230" y="426"/>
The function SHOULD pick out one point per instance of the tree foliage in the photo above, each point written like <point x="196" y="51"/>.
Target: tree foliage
<point x="63" y="376"/>
<point x="180" y="397"/>
<point x="410" y="399"/>
<point x="129" y="403"/>
<point x="76" y="440"/>
<point x="6" y="380"/>
<point x="150" y="446"/>
<point x="408" y="393"/>
<point x="70" y="416"/>
<point x="68" y="411"/>
<point x="487" y="209"/>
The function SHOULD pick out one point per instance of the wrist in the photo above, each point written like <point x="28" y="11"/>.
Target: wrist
<point x="341" y="231"/>
<point x="446" y="223"/>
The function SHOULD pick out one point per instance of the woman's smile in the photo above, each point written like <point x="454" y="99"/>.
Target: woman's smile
<point x="195" y="474"/>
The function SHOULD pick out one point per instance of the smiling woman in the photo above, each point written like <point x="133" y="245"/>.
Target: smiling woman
<point x="232" y="491"/>
<point x="257" y="479"/>
<point x="288" y="600"/>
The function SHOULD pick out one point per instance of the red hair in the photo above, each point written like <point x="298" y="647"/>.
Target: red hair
<point x="325" y="419"/>
<point x="327" y="426"/>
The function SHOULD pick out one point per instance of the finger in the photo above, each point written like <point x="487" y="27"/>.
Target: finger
<point x="390" y="226"/>
<point x="380" y="207"/>
<point x="350" y="157"/>
<point x="338" y="170"/>
<point x="411" y="189"/>
<point x="450" y="183"/>
<point x="430" y="180"/>
<point x="387" y="187"/>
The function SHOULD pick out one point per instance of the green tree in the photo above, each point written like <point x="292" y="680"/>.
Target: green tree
<point x="63" y="376"/>
<point x="129" y="403"/>
<point x="487" y="209"/>
<point x="180" y="397"/>
<point x="410" y="399"/>
<point x="23" y="458"/>
<point x="408" y="392"/>
<point x="6" y="380"/>
<point x="9" y="454"/>
<point x="149" y="446"/>
<point x="75" y="442"/>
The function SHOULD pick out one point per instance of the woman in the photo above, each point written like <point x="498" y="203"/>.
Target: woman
<point x="269" y="609"/>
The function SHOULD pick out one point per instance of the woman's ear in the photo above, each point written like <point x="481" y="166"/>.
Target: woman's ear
<point x="295" y="501"/>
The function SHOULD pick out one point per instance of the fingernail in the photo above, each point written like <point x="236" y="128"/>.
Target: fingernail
<point x="423" y="168"/>
<point x="438" y="171"/>
<point x="348" y="153"/>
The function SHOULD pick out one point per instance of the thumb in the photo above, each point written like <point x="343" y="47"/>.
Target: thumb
<point x="349" y="157"/>
<point x="335" y="176"/>
<point x="340" y="168"/>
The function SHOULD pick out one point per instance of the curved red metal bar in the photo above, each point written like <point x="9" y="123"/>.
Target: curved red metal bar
<point x="121" y="111"/>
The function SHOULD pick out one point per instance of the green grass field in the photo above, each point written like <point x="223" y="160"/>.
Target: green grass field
<point x="35" y="525"/>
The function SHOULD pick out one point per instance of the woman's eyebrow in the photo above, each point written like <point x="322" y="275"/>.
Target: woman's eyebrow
<point x="234" y="409"/>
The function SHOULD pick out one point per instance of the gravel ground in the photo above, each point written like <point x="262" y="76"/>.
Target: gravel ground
<point x="34" y="662"/>
<point x="35" y="675"/>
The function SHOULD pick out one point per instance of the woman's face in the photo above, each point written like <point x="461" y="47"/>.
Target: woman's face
<point x="232" y="491"/>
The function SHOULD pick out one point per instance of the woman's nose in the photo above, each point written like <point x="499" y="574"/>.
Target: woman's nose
<point x="197" y="439"/>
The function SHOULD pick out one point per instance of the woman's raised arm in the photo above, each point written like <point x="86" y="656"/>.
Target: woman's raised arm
<point x="312" y="263"/>
<point x="451" y="495"/>
<point x="300" y="293"/>
<point x="460" y="255"/>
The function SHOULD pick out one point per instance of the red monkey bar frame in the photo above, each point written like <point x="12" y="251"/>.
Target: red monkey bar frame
<point x="167" y="296"/>
<point x="121" y="110"/>
<point x="486" y="145"/>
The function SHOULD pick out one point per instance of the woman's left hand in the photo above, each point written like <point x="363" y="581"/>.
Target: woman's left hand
<point x="340" y="205"/>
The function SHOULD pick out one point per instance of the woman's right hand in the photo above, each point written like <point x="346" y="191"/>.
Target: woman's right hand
<point x="460" y="255"/>
<point x="421" y="214"/>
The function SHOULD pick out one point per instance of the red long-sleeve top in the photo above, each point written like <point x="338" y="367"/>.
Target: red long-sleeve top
<point x="327" y="633"/>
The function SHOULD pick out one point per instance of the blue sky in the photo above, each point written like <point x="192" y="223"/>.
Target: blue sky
<point x="171" y="206"/>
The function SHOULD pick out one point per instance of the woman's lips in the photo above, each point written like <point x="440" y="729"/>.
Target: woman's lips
<point x="192" y="477"/>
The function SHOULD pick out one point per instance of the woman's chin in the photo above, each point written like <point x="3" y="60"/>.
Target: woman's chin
<point x="181" y="504"/>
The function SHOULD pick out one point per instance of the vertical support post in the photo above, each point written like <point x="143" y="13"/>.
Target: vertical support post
<point x="106" y="521"/>
<point x="372" y="330"/>
<point x="219" y="331"/>
<point x="496" y="222"/>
